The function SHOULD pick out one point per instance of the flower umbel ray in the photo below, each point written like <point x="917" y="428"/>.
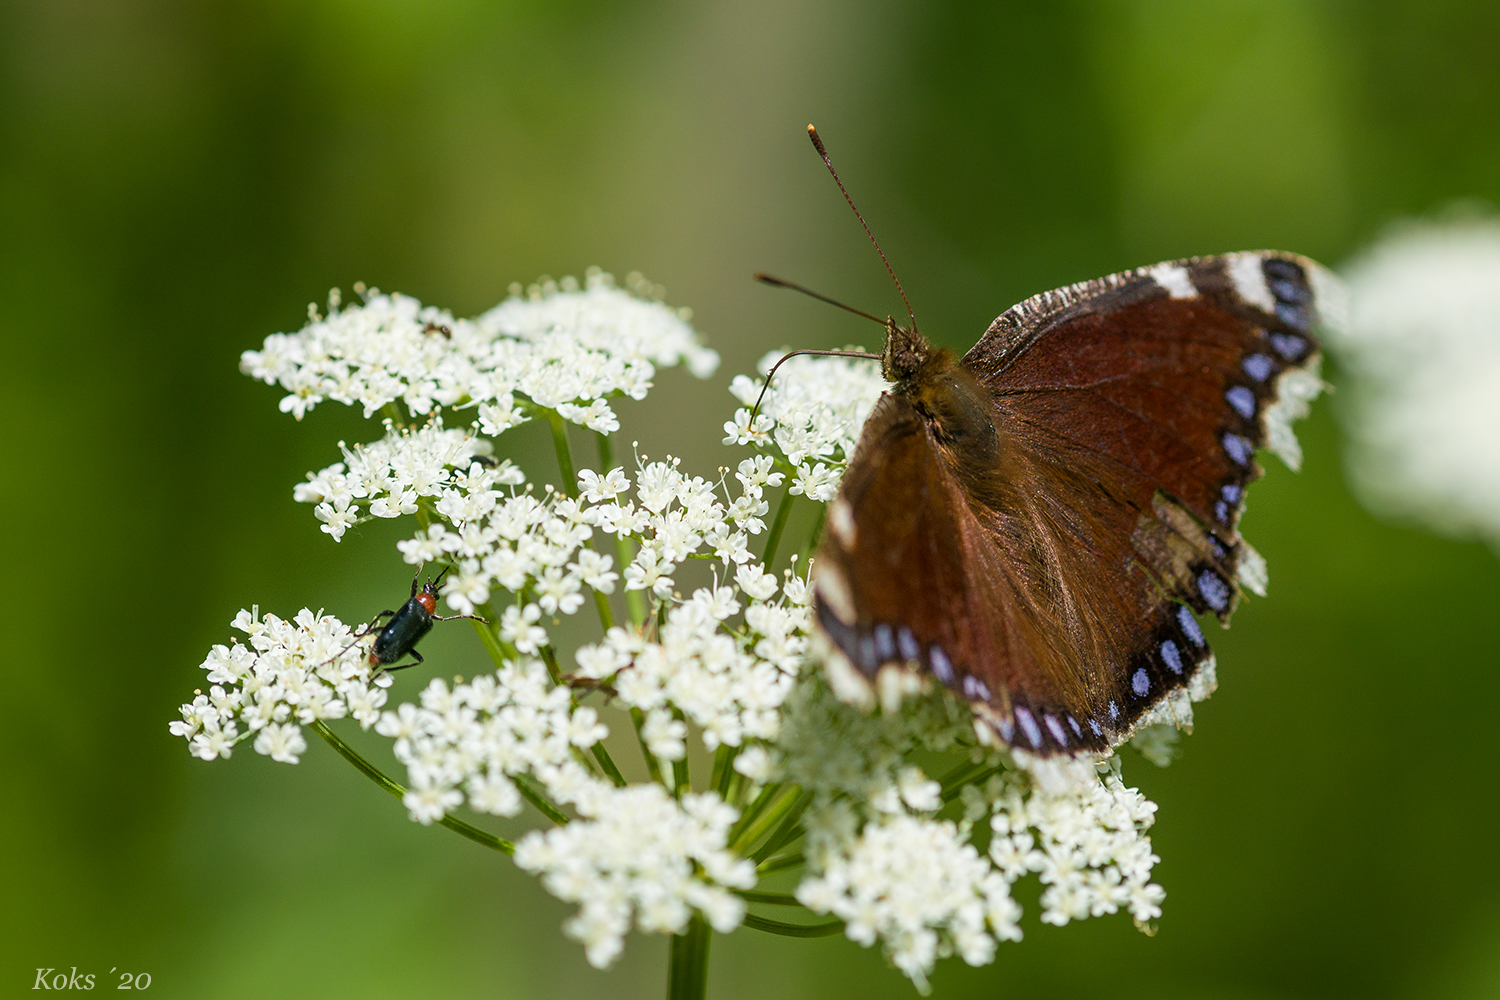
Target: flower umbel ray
<point x="811" y="804"/>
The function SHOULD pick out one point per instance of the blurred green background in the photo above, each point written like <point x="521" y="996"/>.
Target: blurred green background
<point x="178" y="179"/>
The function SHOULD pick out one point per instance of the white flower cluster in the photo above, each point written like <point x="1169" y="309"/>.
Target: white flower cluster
<point x="919" y="886"/>
<point x="393" y="475"/>
<point x="1423" y="345"/>
<point x="885" y="864"/>
<point x="1087" y="843"/>
<point x="475" y="737"/>
<point x="637" y="850"/>
<point x="812" y="413"/>
<point x="729" y="680"/>
<point x="559" y="346"/>
<point x="291" y="673"/>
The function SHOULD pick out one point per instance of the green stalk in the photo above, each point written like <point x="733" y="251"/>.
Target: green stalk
<point x="499" y="651"/>
<point x="635" y="604"/>
<point x="549" y="658"/>
<point x="608" y="763"/>
<point x="374" y="773"/>
<point x="768" y="898"/>
<point x="723" y="772"/>
<point x="564" y="453"/>
<point x="682" y="783"/>
<point x="778" y="525"/>
<point x="606" y="615"/>
<point x="543" y="804"/>
<point x="789" y="830"/>
<point x="982" y="774"/>
<point x="688" y="965"/>
<point x="769" y="819"/>
<point x="652" y="765"/>
<point x="793" y="930"/>
<point x="815" y="534"/>
<point x="635" y="601"/>
<point x="752" y="811"/>
<point x="606" y="453"/>
<point x="781" y="864"/>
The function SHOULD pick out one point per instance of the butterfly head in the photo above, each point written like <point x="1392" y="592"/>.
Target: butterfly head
<point x="906" y="354"/>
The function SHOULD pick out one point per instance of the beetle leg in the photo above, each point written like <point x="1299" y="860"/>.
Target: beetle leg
<point x="449" y="618"/>
<point x="390" y="668"/>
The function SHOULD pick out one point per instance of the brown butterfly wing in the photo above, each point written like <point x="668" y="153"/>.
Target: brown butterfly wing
<point x="909" y="575"/>
<point x="1048" y="577"/>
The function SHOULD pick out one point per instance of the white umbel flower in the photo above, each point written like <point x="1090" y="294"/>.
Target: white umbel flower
<point x="1423" y="345"/>
<point x="562" y="347"/>
<point x="639" y="856"/>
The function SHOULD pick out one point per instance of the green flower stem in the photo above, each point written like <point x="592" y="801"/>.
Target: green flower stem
<point x="499" y="651"/>
<point x="652" y="765"/>
<point x="606" y="453"/>
<point x="549" y="657"/>
<point x="751" y="812"/>
<point x="778" y="525"/>
<point x="681" y="782"/>
<point x="770" y="819"/>
<point x="543" y="804"/>
<point x="768" y="898"/>
<point x="960" y="774"/>
<point x="789" y="829"/>
<point x="815" y="534"/>
<point x="635" y="601"/>
<point x="952" y="791"/>
<point x="793" y="930"/>
<point x="781" y="864"/>
<point x="374" y="773"/>
<point x="606" y="613"/>
<point x="570" y="487"/>
<point x="608" y="763"/>
<point x="687" y="976"/>
<point x="564" y="453"/>
<point x="635" y="604"/>
<point x="724" y="772"/>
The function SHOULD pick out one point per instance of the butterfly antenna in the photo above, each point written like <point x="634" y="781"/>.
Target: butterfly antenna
<point x="866" y="355"/>
<point x="767" y="279"/>
<point x="812" y="134"/>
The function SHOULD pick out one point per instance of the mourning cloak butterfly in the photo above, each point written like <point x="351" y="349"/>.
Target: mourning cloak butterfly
<point x="1038" y="523"/>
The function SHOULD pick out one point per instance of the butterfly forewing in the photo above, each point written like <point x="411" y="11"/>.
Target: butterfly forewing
<point x="1051" y="577"/>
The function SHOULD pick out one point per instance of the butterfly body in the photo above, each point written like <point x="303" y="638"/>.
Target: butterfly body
<point x="1035" y="524"/>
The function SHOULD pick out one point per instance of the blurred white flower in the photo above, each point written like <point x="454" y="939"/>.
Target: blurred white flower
<point x="1423" y="350"/>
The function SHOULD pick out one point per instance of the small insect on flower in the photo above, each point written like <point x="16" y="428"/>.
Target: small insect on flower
<point x="406" y="627"/>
